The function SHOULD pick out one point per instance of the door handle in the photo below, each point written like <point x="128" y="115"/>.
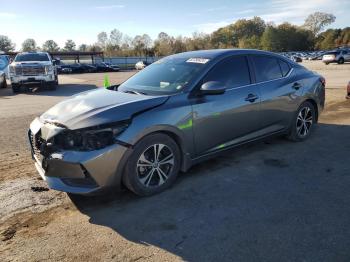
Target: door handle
<point x="296" y="86"/>
<point x="251" y="98"/>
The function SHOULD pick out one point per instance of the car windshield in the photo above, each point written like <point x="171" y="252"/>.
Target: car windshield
<point x="31" y="57"/>
<point x="166" y="76"/>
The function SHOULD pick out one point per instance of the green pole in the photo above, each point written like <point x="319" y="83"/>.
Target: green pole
<point x="106" y="82"/>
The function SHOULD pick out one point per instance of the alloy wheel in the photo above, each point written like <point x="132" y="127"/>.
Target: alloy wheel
<point x="155" y="165"/>
<point x="304" y="121"/>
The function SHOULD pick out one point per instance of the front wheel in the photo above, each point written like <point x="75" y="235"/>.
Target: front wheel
<point x="303" y="122"/>
<point x="341" y="61"/>
<point x="4" y="83"/>
<point x="153" y="166"/>
<point x="16" y="88"/>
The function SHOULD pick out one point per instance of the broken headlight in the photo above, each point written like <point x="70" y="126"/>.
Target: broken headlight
<point x="88" y="139"/>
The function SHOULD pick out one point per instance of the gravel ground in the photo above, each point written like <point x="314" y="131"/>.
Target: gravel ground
<point x="271" y="201"/>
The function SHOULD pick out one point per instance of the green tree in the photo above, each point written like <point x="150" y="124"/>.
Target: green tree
<point x="327" y="40"/>
<point x="287" y="37"/>
<point x="248" y="28"/>
<point x="83" y="47"/>
<point x="50" y="46"/>
<point x="6" y="44"/>
<point x="317" y="21"/>
<point x="69" y="45"/>
<point x="29" y="45"/>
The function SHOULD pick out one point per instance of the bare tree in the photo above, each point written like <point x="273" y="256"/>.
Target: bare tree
<point x="115" y="38"/>
<point x="317" y="21"/>
<point x="102" y="39"/>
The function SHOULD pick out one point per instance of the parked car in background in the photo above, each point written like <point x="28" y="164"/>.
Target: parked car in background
<point x="3" y="83"/>
<point x="106" y="67"/>
<point x="179" y="111"/>
<point x="77" y="68"/>
<point x="33" y="69"/>
<point x="336" y="56"/>
<point x="4" y="62"/>
<point x="296" y="59"/>
<point x="141" y="65"/>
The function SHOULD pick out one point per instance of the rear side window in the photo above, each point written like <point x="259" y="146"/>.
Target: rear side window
<point x="232" y="72"/>
<point x="284" y="67"/>
<point x="266" y="68"/>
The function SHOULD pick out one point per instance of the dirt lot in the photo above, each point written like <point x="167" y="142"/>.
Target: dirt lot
<point x="271" y="201"/>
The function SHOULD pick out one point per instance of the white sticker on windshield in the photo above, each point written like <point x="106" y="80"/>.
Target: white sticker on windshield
<point x="198" y="60"/>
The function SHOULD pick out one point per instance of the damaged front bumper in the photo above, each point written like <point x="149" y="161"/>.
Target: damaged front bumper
<point x="76" y="171"/>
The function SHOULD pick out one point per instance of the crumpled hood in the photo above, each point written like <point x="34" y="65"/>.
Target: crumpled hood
<point x="99" y="107"/>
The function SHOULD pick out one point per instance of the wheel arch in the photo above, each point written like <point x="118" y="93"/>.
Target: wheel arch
<point x="314" y="103"/>
<point x="179" y="138"/>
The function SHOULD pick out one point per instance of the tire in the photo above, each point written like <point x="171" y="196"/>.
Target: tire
<point x="16" y="88"/>
<point x="304" y="115"/>
<point x="53" y="86"/>
<point x="341" y="61"/>
<point x="141" y="172"/>
<point x="4" y="83"/>
<point x="56" y="80"/>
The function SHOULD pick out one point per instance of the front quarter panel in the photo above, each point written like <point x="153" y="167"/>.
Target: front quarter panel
<point x="174" y="117"/>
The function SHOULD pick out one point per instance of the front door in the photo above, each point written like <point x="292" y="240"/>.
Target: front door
<point x="220" y="119"/>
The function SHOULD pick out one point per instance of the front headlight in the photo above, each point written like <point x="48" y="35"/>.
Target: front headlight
<point x="48" y="69"/>
<point x="88" y="139"/>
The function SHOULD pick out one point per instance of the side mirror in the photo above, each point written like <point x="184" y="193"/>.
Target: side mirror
<point x="212" y="88"/>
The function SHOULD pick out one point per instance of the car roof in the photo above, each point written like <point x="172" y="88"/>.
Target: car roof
<point x="34" y="52"/>
<point x="216" y="54"/>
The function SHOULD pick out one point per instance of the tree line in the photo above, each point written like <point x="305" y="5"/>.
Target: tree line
<point x="244" y="33"/>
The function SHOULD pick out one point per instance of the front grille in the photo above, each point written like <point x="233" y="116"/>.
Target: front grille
<point x="36" y="142"/>
<point x="30" y="70"/>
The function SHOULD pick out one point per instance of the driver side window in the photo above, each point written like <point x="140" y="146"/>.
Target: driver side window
<point x="231" y="72"/>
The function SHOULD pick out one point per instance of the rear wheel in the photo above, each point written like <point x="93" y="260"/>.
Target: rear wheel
<point x="341" y="61"/>
<point x="153" y="166"/>
<point x="303" y="123"/>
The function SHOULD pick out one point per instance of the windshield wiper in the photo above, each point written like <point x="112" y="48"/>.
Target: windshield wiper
<point x="134" y="92"/>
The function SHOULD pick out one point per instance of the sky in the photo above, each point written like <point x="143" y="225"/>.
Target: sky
<point x="82" y="20"/>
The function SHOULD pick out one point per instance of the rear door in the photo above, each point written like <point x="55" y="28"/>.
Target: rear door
<point x="220" y="120"/>
<point x="280" y="90"/>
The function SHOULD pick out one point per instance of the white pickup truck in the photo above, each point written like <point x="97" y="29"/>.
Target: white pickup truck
<point x="33" y="69"/>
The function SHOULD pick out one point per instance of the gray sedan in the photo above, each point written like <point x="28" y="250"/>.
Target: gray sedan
<point x="179" y="111"/>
